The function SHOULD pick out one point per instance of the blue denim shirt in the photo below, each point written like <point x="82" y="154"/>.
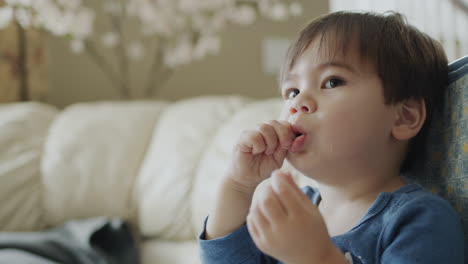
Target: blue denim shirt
<point x="407" y="226"/>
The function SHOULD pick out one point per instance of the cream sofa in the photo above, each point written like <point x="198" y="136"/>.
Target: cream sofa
<point x="154" y="163"/>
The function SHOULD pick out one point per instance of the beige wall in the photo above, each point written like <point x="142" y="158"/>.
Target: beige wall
<point x="236" y="70"/>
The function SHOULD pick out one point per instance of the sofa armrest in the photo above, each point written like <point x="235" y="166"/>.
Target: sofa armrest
<point x="23" y="130"/>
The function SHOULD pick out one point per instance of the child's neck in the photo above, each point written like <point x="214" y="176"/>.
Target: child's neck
<point x="358" y="190"/>
<point x="352" y="200"/>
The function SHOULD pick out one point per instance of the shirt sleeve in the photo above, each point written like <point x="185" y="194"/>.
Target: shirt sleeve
<point x="235" y="248"/>
<point x="425" y="231"/>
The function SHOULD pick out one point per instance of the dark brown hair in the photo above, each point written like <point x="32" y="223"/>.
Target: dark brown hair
<point x="410" y="64"/>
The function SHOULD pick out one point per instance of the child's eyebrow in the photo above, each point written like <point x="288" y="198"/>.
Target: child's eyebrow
<point x="338" y="64"/>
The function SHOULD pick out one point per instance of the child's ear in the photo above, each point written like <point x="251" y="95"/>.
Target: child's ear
<point x="410" y="117"/>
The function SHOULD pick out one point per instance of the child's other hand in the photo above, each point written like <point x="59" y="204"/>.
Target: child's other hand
<point x="259" y="152"/>
<point x="286" y="225"/>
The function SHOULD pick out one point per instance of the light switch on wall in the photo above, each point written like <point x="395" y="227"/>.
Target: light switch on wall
<point x="273" y="53"/>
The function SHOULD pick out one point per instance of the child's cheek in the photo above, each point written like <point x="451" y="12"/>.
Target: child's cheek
<point x="340" y="132"/>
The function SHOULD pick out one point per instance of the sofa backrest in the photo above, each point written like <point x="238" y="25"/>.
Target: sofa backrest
<point x="92" y="157"/>
<point x="166" y="182"/>
<point x="445" y="168"/>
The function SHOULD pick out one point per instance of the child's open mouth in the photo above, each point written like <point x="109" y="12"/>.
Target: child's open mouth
<point x="299" y="140"/>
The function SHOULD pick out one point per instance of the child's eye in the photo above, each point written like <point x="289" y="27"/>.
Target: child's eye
<point x="291" y="93"/>
<point x="333" y="82"/>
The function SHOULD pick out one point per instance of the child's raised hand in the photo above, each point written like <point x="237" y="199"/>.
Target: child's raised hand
<point x="286" y="225"/>
<point x="261" y="151"/>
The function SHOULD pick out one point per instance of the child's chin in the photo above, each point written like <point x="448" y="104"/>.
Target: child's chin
<point x="301" y="162"/>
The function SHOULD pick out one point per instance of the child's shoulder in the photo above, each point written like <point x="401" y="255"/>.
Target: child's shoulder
<point x="413" y="197"/>
<point x="411" y="201"/>
<point x="413" y="206"/>
<point x="416" y="216"/>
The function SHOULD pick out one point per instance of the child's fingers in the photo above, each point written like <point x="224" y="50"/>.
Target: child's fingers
<point x="293" y="184"/>
<point x="288" y="192"/>
<point x="285" y="133"/>
<point x="254" y="233"/>
<point x="269" y="138"/>
<point x="270" y="205"/>
<point x="258" y="219"/>
<point x="269" y="135"/>
<point x="280" y="155"/>
<point x="251" y="142"/>
<point x="258" y="143"/>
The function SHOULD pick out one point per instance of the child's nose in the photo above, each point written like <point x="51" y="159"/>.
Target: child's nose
<point x="306" y="108"/>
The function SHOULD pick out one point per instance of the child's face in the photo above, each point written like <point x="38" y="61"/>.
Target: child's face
<point x="339" y="104"/>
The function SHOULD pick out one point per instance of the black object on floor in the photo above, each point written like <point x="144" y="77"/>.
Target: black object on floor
<point x="89" y="241"/>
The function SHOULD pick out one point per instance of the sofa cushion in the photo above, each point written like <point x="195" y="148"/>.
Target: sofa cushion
<point x="23" y="129"/>
<point x="164" y="187"/>
<point x="91" y="159"/>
